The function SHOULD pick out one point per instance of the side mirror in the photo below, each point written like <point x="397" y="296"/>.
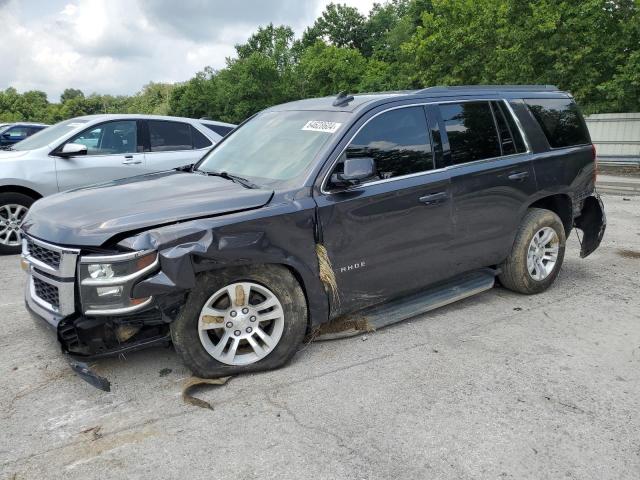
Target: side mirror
<point x="72" y="150"/>
<point x="355" y="170"/>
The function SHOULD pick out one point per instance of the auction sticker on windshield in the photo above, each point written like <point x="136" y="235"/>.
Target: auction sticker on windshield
<point x="321" y="126"/>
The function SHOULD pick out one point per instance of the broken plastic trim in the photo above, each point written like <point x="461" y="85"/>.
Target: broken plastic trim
<point x="84" y="372"/>
<point x="593" y="223"/>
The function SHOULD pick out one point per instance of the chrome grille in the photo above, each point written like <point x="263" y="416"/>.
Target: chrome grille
<point x="45" y="255"/>
<point x="46" y="292"/>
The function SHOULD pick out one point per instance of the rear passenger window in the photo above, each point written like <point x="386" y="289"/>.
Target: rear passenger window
<point x="219" y="129"/>
<point x="199" y="140"/>
<point x="471" y="131"/>
<point x="397" y="140"/>
<point x="169" y="136"/>
<point x="560" y="121"/>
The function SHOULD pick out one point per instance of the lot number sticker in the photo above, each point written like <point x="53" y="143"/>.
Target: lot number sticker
<point x="321" y="126"/>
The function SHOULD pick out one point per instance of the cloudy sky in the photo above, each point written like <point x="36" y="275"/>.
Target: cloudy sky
<point x="116" y="46"/>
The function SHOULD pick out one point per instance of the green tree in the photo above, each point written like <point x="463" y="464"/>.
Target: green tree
<point x="71" y="93"/>
<point x="339" y="25"/>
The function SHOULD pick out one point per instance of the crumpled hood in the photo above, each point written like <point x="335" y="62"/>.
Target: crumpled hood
<point x="90" y="216"/>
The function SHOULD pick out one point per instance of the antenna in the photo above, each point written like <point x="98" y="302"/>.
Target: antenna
<point x="342" y="100"/>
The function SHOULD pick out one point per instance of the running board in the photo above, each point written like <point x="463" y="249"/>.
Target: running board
<point x="380" y="316"/>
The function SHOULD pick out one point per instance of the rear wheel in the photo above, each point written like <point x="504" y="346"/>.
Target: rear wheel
<point x="240" y="320"/>
<point x="537" y="254"/>
<point x="13" y="209"/>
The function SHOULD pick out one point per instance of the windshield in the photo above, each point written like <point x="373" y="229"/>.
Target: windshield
<point x="49" y="135"/>
<point x="275" y="145"/>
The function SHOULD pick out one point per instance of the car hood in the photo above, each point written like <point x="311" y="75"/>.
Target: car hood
<point x="90" y="216"/>
<point x="12" y="154"/>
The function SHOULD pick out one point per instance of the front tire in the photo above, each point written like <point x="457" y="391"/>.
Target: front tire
<point x="537" y="254"/>
<point x="13" y="209"/>
<point x="240" y="320"/>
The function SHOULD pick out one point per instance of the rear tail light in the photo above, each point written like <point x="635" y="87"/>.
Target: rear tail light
<point x="595" y="162"/>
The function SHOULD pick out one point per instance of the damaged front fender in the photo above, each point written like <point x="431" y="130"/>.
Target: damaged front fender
<point x="593" y="223"/>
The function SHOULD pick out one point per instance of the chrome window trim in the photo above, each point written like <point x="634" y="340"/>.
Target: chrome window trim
<point x="323" y="186"/>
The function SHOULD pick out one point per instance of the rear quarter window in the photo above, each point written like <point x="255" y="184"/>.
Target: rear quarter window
<point x="560" y="121"/>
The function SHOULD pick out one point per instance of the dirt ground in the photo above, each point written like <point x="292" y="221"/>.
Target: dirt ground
<point x="496" y="386"/>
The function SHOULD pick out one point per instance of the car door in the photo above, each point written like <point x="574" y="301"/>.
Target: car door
<point x="492" y="179"/>
<point x="173" y="144"/>
<point x="388" y="235"/>
<point x="113" y="152"/>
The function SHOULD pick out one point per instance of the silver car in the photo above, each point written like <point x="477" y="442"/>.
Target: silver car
<point x="94" y="149"/>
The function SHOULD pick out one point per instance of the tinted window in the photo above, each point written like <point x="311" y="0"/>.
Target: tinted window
<point x="50" y="135"/>
<point x="109" y="138"/>
<point x="169" y="136"/>
<point x="510" y="138"/>
<point x="199" y="140"/>
<point x="471" y="131"/>
<point x="397" y="140"/>
<point x="17" y="132"/>
<point x="560" y="121"/>
<point x="219" y="129"/>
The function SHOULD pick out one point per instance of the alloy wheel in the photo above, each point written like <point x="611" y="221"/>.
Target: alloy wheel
<point x="11" y="218"/>
<point x="542" y="253"/>
<point x="241" y="323"/>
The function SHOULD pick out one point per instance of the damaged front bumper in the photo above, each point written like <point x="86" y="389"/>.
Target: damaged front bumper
<point x="593" y="223"/>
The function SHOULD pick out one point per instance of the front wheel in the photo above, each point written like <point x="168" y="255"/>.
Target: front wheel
<point x="13" y="209"/>
<point x="537" y="253"/>
<point x="240" y="320"/>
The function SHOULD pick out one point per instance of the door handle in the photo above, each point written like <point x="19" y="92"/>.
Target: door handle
<point x="129" y="160"/>
<point x="518" y="176"/>
<point x="434" y="198"/>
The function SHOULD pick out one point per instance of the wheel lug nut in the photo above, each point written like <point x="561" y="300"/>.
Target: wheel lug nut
<point x="252" y="318"/>
<point x="245" y="310"/>
<point x="249" y="329"/>
<point x="237" y="333"/>
<point x="233" y="313"/>
<point x="229" y="324"/>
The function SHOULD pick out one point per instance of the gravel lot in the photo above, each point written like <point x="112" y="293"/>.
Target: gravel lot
<point x="496" y="386"/>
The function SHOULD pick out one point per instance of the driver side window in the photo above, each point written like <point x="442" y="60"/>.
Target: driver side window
<point x="109" y="138"/>
<point x="398" y="141"/>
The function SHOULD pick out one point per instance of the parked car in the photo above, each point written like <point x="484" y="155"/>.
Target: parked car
<point x="374" y="207"/>
<point x="12" y="133"/>
<point x="92" y="149"/>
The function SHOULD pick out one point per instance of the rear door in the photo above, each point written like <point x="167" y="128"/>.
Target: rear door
<point x="492" y="179"/>
<point x="391" y="234"/>
<point x="173" y="144"/>
<point x="114" y="151"/>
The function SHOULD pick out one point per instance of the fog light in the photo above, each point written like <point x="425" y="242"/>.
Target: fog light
<point x="100" y="270"/>
<point x="109" y="291"/>
<point x="24" y="265"/>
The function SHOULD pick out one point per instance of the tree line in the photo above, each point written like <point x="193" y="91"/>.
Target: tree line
<point x="590" y="48"/>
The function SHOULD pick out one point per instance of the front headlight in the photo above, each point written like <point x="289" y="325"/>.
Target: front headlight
<point x="106" y="281"/>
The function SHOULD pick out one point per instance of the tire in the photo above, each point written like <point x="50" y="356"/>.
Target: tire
<point x="189" y="340"/>
<point x="10" y="204"/>
<point x="516" y="272"/>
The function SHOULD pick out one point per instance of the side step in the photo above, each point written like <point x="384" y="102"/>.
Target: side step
<point x="383" y="315"/>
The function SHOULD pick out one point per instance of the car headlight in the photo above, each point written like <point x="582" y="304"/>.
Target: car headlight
<point x="106" y="281"/>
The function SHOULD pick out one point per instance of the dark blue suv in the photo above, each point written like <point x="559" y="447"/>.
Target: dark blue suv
<point x="15" y="132"/>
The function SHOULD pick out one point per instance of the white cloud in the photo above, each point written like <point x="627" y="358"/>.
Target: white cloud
<point x="116" y="46"/>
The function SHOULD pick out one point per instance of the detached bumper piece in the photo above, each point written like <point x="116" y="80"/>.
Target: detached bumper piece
<point x="89" y="376"/>
<point x="593" y="223"/>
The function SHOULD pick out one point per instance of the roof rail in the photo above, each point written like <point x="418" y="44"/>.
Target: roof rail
<point x="530" y="88"/>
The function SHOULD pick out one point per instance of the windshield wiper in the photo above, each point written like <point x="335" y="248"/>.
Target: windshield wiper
<point x="234" y="178"/>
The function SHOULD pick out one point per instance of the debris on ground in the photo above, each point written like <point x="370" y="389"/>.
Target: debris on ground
<point x="626" y="253"/>
<point x="165" y="371"/>
<point x="192" y="383"/>
<point x="342" y="327"/>
<point x="95" y="432"/>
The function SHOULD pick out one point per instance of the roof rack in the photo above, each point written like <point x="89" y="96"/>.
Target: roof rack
<point x="530" y="88"/>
